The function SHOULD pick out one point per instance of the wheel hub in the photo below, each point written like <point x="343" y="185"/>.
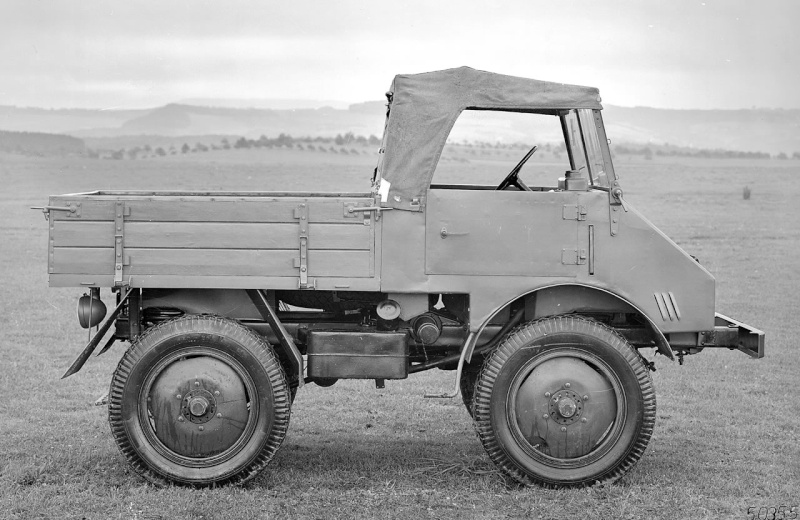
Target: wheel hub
<point x="564" y="407"/>
<point x="198" y="416"/>
<point x="199" y="406"/>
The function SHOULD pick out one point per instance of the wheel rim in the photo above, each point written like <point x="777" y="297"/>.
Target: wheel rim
<point x="197" y="407"/>
<point x="566" y="408"/>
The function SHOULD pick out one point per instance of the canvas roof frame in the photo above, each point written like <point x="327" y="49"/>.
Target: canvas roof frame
<point x="424" y="107"/>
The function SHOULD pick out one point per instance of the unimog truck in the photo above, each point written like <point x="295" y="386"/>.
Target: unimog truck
<point x="540" y="299"/>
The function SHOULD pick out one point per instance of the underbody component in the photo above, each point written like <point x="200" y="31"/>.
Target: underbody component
<point x="357" y="355"/>
<point x="262" y="304"/>
<point x="732" y="333"/>
<point x="87" y="351"/>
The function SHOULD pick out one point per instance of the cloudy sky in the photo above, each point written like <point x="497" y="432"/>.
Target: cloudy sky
<point x="135" y="54"/>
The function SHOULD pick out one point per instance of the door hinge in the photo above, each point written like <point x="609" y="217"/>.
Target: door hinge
<point x="573" y="256"/>
<point x="301" y="213"/>
<point x="120" y="258"/>
<point x="615" y="202"/>
<point x="574" y="212"/>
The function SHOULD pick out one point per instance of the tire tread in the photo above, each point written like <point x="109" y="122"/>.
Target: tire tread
<point x="516" y="340"/>
<point x="207" y="324"/>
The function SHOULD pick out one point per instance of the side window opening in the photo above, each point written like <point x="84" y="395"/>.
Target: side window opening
<point x="484" y="146"/>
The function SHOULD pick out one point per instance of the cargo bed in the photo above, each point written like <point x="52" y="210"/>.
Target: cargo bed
<point x="213" y="240"/>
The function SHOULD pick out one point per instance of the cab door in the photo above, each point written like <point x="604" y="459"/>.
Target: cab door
<point x="502" y="233"/>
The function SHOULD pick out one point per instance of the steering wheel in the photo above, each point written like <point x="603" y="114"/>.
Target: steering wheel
<point x="512" y="179"/>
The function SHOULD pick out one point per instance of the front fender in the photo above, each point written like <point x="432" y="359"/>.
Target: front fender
<point x="595" y="304"/>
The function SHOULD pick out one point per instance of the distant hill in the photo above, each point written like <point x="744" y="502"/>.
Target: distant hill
<point x="62" y="121"/>
<point x="39" y="143"/>
<point x="174" y="120"/>
<point x="272" y="104"/>
<point x="751" y="130"/>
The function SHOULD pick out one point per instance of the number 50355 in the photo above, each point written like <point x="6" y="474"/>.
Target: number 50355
<point x="772" y="513"/>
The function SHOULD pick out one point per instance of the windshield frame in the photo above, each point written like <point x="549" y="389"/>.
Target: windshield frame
<point x="587" y="146"/>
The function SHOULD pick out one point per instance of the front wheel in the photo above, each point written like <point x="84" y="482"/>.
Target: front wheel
<point x="199" y="400"/>
<point x="564" y="401"/>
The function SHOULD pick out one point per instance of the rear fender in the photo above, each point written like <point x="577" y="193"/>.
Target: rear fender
<point x="237" y="304"/>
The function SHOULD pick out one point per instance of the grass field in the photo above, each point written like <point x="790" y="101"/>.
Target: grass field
<point x="726" y="435"/>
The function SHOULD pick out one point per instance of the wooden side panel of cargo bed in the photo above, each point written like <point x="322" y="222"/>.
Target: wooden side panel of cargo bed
<point x="213" y="243"/>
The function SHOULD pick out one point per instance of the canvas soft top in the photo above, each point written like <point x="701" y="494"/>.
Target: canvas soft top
<point x="424" y="107"/>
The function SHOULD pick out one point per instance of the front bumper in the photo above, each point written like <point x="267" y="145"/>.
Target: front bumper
<point x="727" y="333"/>
<point x="734" y="335"/>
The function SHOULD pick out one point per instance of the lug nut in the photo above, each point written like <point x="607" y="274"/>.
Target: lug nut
<point x="585" y="397"/>
<point x="545" y="416"/>
<point x="547" y="394"/>
<point x="567" y="385"/>
<point x="219" y="415"/>
<point x="197" y="383"/>
<point x="563" y="428"/>
<point x="583" y="420"/>
<point x="201" y="428"/>
<point x="180" y="418"/>
<point x="178" y="396"/>
<point x="216" y="392"/>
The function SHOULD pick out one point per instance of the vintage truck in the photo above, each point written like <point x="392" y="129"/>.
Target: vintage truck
<point x="538" y="298"/>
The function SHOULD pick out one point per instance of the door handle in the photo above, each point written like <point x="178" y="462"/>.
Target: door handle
<point x="444" y="233"/>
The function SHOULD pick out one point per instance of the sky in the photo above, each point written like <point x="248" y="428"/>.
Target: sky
<point x="680" y="54"/>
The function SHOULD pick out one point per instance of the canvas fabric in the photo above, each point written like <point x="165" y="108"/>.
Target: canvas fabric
<point x="424" y="107"/>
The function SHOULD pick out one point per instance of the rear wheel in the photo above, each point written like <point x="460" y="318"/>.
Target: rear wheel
<point x="564" y="401"/>
<point x="199" y="400"/>
<point x="469" y="377"/>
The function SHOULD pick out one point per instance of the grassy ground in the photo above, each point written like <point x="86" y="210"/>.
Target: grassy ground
<point x="727" y="427"/>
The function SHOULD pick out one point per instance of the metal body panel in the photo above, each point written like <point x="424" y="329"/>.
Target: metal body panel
<point x="232" y="303"/>
<point x="500" y="233"/>
<point x="209" y="235"/>
<point x="220" y="240"/>
<point x="635" y="264"/>
<point x="640" y="263"/>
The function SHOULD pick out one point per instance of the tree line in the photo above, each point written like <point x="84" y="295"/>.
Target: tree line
<point x="667" y="150"/>
<point x="36" y="143"/>
<point x="347" y="144"/>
